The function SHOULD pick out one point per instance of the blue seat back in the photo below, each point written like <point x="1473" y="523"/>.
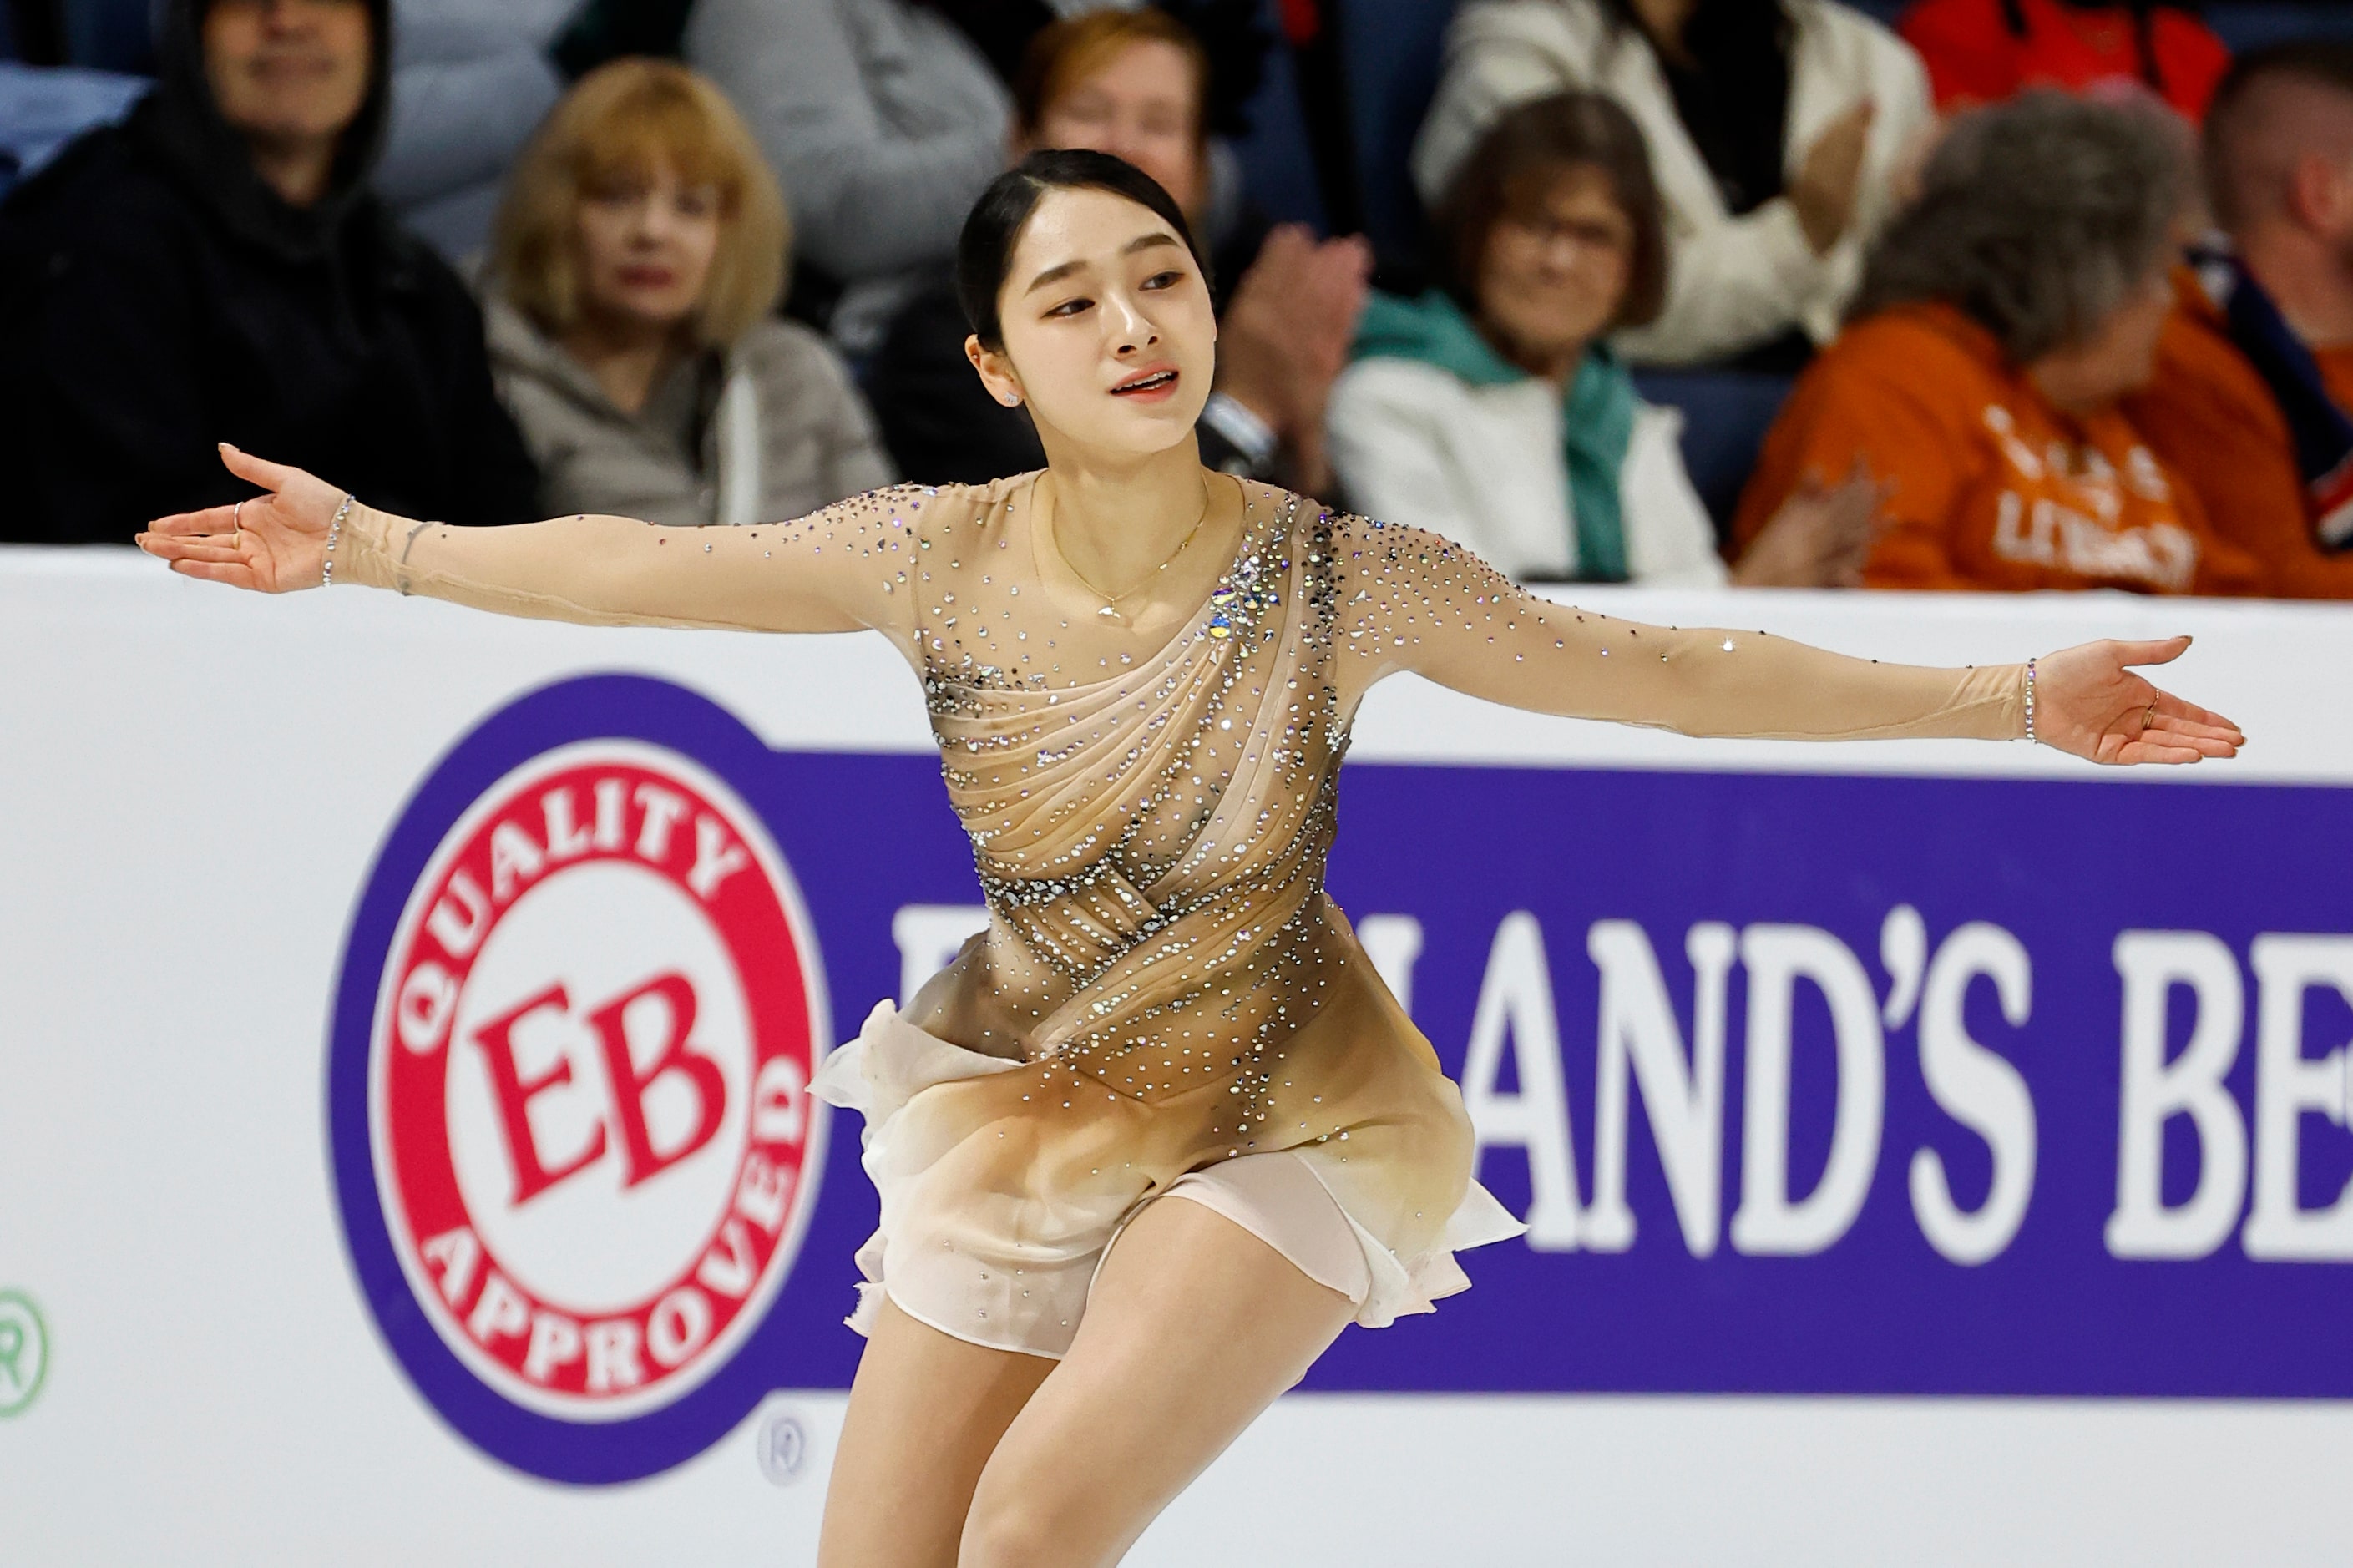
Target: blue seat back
<point x="112" y="36"/>
<point x="42" y="107"/>
<point x="2246" y="25"/>
<point x="1391" y="51"/>
<point x="1278" y="170"/>
<point x="1725" y="415"/>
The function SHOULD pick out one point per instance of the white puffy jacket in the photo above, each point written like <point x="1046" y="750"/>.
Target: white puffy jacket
<point x="1733" y="282"/>
<point x="1417" y="444"/>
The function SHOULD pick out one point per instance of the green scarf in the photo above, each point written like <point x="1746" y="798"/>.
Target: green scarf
<point x="1598" y="415"/>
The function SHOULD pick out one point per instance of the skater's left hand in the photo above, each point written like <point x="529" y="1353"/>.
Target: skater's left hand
<point x="2087" y="700"/>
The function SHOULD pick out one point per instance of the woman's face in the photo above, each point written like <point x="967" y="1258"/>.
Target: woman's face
<point x="1142" y="105"/>
<point x="647" y="241"/>
<point x="2117" y="359"/>
<point x="1556" y="268"/>
<point x="1108" y="334"/>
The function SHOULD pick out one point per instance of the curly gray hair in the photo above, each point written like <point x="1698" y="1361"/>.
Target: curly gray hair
<point x="2036" y="218"/>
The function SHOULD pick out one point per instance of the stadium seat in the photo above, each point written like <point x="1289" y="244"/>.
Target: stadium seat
<point x="1278" y="170"/>
<point x="42" y="107"/>
<point x="1887" y="11"/>
<point x="1725" y="414"/>
<point x="2251" y="25"/>
<point x="110" y="34"/>
<point x="1393" y="49"/>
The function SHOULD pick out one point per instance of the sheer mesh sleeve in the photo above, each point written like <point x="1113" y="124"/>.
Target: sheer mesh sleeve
<point x="844" y="568"/>
<point x="1408" y="599"/>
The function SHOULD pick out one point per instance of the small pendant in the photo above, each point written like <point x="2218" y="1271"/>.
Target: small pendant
<point x="1110" y="613"/>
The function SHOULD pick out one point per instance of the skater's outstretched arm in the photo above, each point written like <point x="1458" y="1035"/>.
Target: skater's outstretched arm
<point x="1410" y="599"/>
<point x="841" y="569"/>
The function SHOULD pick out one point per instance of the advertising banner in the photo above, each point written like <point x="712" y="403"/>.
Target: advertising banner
<point x="1880" y="1085"/>
<point x="1803" y="1084"/>
<point x="1882" y="1072"/>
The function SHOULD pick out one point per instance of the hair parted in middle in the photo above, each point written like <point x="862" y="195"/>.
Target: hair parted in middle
<point x="614" y="125"/>
<point x="2036" y="218"/>
<point x="993" y="228"/>
<point x="1512" y="169"/>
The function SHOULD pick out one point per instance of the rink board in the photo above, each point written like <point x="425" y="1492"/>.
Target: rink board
<point x="1929" y="1150"/>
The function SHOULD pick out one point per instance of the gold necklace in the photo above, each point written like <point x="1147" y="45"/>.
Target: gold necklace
<point x="1110" y="610"/>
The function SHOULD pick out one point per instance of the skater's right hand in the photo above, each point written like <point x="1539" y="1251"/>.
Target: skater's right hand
<point x="274" y="542"/>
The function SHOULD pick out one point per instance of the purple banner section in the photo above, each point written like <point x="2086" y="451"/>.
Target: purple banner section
<point x="2130" y="1159"/>
<point x="1806" y="1084"/>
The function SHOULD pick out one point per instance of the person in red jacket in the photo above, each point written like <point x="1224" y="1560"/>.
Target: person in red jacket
<point x="1982" y="51"/>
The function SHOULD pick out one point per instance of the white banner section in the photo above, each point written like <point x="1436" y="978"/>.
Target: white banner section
<point x="194" y="787"/>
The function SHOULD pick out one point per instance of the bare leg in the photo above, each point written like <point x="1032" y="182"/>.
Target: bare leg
<point x="1193" y="1326"/>
<point x="925" y="1410"/>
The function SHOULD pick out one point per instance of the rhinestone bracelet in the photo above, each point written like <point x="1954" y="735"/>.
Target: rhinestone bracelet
<point x="2030" y="701"/>
<point x="335" y="529"/>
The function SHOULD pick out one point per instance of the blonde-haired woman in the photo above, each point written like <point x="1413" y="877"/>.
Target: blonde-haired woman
<point x="636" y="263"/>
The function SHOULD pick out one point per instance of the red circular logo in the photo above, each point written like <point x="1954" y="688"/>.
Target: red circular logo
<point x="589" y="1080"/>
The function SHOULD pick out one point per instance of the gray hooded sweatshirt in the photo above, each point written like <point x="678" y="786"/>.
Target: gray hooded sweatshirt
<point x="772" y="428"/>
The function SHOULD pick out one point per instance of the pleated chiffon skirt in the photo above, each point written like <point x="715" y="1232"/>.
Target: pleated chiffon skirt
<point x="1003" y="1183"/>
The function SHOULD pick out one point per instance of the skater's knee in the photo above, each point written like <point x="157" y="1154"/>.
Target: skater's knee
<point x="1026" y="1527"/>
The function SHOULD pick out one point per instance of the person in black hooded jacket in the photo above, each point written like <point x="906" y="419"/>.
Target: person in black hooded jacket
<point x="216" y="268"/>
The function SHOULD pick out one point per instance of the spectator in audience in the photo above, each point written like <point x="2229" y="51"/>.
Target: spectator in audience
<point x="1492" y="412"/>
<point x="2254" y="378"/>
<point x="1132" y="83"/>
<point x="1983" y="51"/>
<point x="1775" y="129"/>
<point x="639" y="255"/>
<point x="885" y="122"/>
<point x="471" y="80"/>
<point x="216" y="268"/>
<point x="2004" y="316"/>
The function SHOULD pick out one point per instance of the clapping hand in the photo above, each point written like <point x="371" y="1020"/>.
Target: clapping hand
<point x="1830" y="178"/>
<point x="2088" y="701"/>
<point x="1820" y="538"/>
<point x="274" y="542"/>
<point x="1286" y="335"/>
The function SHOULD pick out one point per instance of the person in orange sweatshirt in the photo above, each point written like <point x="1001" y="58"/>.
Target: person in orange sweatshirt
<point x="2001" y="321"/>
<point x="2256" y="369"/>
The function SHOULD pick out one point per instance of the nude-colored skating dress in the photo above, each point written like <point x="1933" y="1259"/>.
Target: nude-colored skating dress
<point x="1164" y="993"/>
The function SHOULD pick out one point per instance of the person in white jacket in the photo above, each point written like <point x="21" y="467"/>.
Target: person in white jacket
<point x="1777" y="128"/>
<point x="1494" y="413"/>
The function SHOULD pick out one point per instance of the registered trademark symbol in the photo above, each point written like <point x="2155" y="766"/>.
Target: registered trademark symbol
<point x="24" y="1351"/>
<point x="783" y="1448"/>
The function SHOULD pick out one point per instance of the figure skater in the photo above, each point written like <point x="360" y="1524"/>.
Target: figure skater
<point x="1141" y="674"/>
